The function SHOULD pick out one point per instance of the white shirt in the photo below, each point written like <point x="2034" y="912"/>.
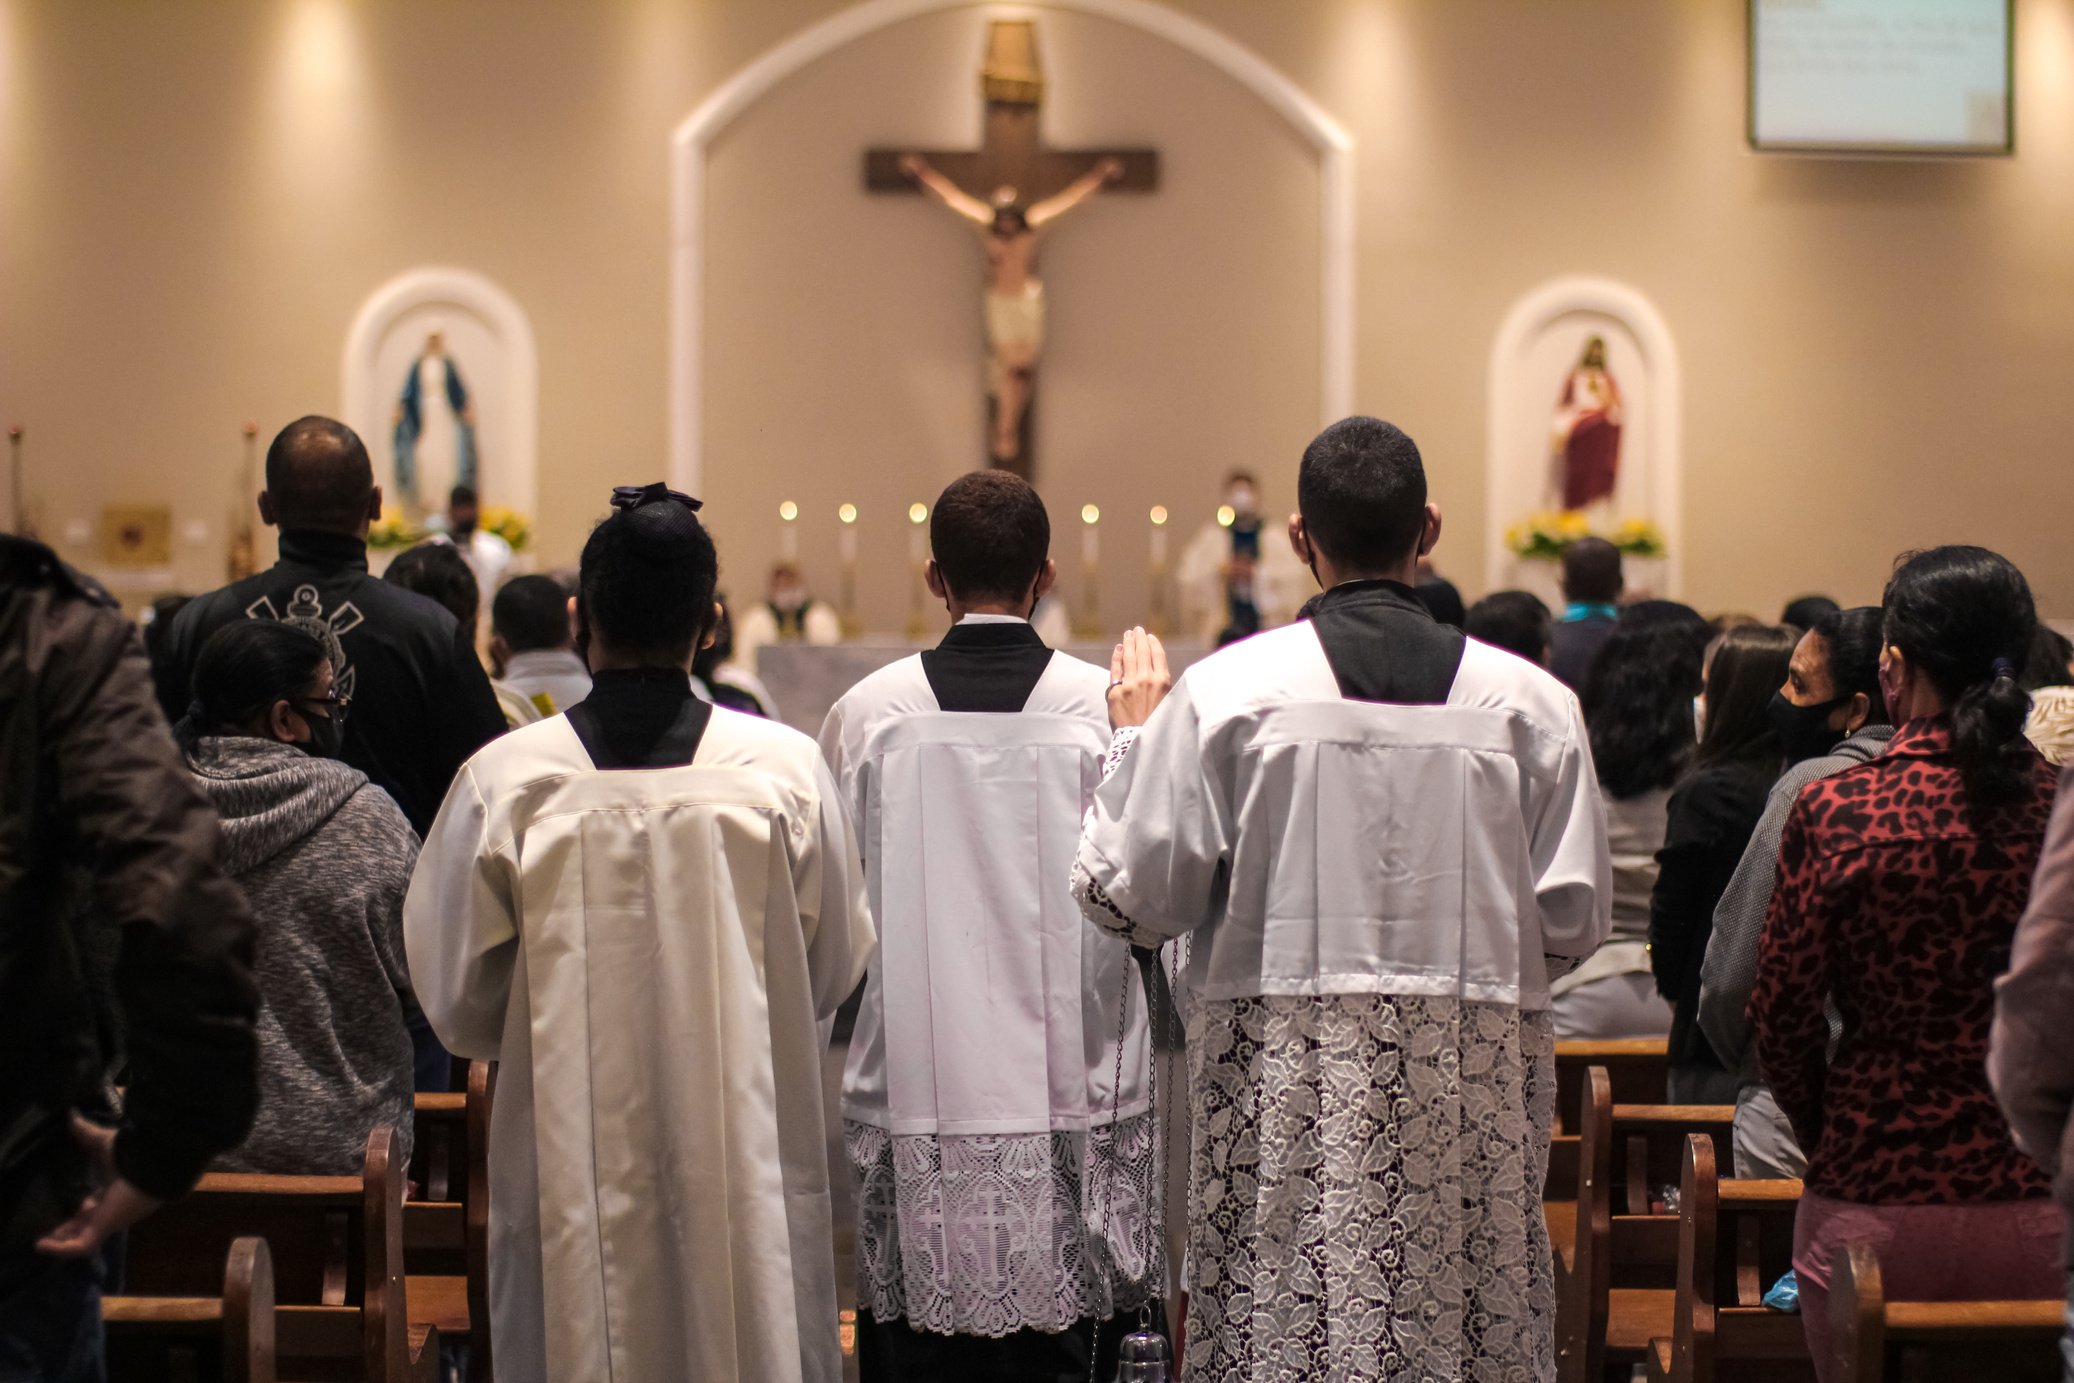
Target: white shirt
<point x="649" y="953"/>
<point x="554" y="673"/>
<point x="1330" y="846"/>
<point x="757" y="626"/>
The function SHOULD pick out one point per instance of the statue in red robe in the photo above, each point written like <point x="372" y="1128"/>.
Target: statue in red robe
<point x="1587" y="431"/>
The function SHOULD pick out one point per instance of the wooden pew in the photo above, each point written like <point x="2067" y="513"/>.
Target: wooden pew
<point x="1873" y="1340"/>
<point x="228" y="1337"/>
<point x="337" y="1248"/>
<point x="1735" y="1239"/>
<point x="1640" y="1069"/>
<point x="1621" y="1273"/>
<point x="446" y="1226"/>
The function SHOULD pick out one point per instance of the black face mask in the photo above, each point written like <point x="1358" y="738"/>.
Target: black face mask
<point x="1804" y="730"/>
<point x="327" y="734"/>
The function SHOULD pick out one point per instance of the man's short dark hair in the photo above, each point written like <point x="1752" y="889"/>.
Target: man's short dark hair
<point x="531" y="612"/>
<point x="1362" y="492"/>
<point x="990" y="536"/>
<point x="1516" y="621"/>
<point x="1592" y="572"/>
<point x="438" y="570"/>
<point x="318" y="475"/>
<point x="646" y="582"/>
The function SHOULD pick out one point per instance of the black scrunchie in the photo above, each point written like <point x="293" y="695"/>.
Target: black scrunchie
<point x="2002" y="668"/>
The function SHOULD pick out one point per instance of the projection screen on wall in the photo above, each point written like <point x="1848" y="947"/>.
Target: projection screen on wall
<point x="1881" y="76"/>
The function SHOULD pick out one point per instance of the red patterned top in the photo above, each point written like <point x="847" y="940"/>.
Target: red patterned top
<point x="1898" y="902"/>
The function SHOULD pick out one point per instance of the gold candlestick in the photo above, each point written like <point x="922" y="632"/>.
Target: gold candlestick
<point x="1090" y="572"/>
<point x="847" y="514"/>
<point x="1156" y="618"/>
<point x="243" y="558"/>
<point x="917" y="563"/>
<point x="18" y="483"/>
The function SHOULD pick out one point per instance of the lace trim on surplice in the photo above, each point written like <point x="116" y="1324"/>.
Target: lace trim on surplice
<point x="994" y="1233"/>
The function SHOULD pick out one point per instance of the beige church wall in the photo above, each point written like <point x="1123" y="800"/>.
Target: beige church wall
<point x="1182" y="324"/>
<point x="196" y="198"/>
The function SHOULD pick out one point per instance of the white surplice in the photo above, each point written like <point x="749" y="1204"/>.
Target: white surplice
<point x="1005" y="1176"/>
<point x="1373" y="891"/>
<point x="649" y="953"/>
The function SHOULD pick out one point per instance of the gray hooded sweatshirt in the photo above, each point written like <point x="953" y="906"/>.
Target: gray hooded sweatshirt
<point x="325" y="858"/>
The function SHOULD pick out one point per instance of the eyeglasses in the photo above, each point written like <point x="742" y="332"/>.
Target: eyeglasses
<point x="632" y="497"/>
<point x="335" y="705"/>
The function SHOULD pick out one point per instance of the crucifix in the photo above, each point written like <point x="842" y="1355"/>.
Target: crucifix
<point x="1022" y="188"/>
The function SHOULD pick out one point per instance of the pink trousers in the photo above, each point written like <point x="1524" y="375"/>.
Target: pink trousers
<point x="2007" y="1250"/>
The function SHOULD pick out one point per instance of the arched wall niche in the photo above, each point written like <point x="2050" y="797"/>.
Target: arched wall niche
<point x="490" y="340"/>
<point x="1538" y="343"/>
<point x="690" y="142"/>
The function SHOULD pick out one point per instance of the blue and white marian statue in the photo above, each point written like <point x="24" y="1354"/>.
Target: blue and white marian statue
<point x="435" y="446"/>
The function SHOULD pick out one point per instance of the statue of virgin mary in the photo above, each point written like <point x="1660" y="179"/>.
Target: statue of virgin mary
<point x="435" y="428"/>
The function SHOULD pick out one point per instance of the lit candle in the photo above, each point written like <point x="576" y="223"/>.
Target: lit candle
<point x="1090" y="535"/>
<point x="1159" y="537"/>
<point x="788" y="531"/>
<point x="917" y="536"/>
<point x="1226" y="515"/>
<point x="848" y="515"/>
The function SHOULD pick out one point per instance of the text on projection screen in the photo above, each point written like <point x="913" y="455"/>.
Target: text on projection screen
<point x="1892" y="75"/>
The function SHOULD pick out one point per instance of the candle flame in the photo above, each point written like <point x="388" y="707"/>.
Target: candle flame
<point x="1159" y="514"/>
<point x="788" y="511"/>
<point x="916" y="513"/>
<point x="1226" y="515"/>
<point x="1090" y="514"/>
<point x="848" y="513"/>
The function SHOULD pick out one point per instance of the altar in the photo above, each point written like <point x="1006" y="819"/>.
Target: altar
<point x="806" y="681"/>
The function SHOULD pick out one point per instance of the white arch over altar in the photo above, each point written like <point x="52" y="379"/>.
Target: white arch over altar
<point x="489" y="336"/>
<point x="1334" y="146"/>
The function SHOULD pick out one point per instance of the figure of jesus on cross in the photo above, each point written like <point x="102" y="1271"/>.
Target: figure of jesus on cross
<point x="1015" y="295"/>
<point x="1031" y="187"/>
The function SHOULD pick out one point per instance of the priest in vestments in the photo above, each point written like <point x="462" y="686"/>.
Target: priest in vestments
<point x="1007" y="1210"/>
<point x="1383" y="838"/>
<point x="645" y="909"/>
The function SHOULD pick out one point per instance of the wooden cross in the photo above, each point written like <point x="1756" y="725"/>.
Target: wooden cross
<point x="1012" y="152"/>
<point x="1014" y="174"/>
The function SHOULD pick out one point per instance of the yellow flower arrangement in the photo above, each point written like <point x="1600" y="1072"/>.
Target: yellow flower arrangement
<point x="393" y="531"/>
<point x="507" y="523"/>
<point x="1546" y="536"/>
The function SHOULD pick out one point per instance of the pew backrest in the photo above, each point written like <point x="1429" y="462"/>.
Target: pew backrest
<point x="1735" y="1238"/>
<point x="228" y="1337"/>
<point x="1639" y="1069"/>
<point x="1874" y="1340"/>
<point x="337" y="1250"/>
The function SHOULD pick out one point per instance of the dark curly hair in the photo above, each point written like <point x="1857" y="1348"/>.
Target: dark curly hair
<point x="646" y="583"/>
<point x="1638" y="702"/>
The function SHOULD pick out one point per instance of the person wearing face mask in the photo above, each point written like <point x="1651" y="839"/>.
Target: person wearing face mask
<point x="325" y="859"/>
<point x="788" y="614"/>
<point x="980" y="1105"/>
<point x="1238" y="575"/>
<point x="1901" y="881"/>
<point x="1829" y="716"/>
<point x="1712" y="812"/>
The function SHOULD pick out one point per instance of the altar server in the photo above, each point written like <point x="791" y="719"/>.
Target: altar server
<point x="1385" y="837"/>
<point x="1005" y="1203"/>
<point x="644" y="909"/>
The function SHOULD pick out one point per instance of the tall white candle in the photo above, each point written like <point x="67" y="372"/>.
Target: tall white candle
<point x="788" y="531"/>
<point x="1090" y="534"/>
<point x="848" y="515"/>
<point x="1159" y="537"/>
<point x="917" y="533"/>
